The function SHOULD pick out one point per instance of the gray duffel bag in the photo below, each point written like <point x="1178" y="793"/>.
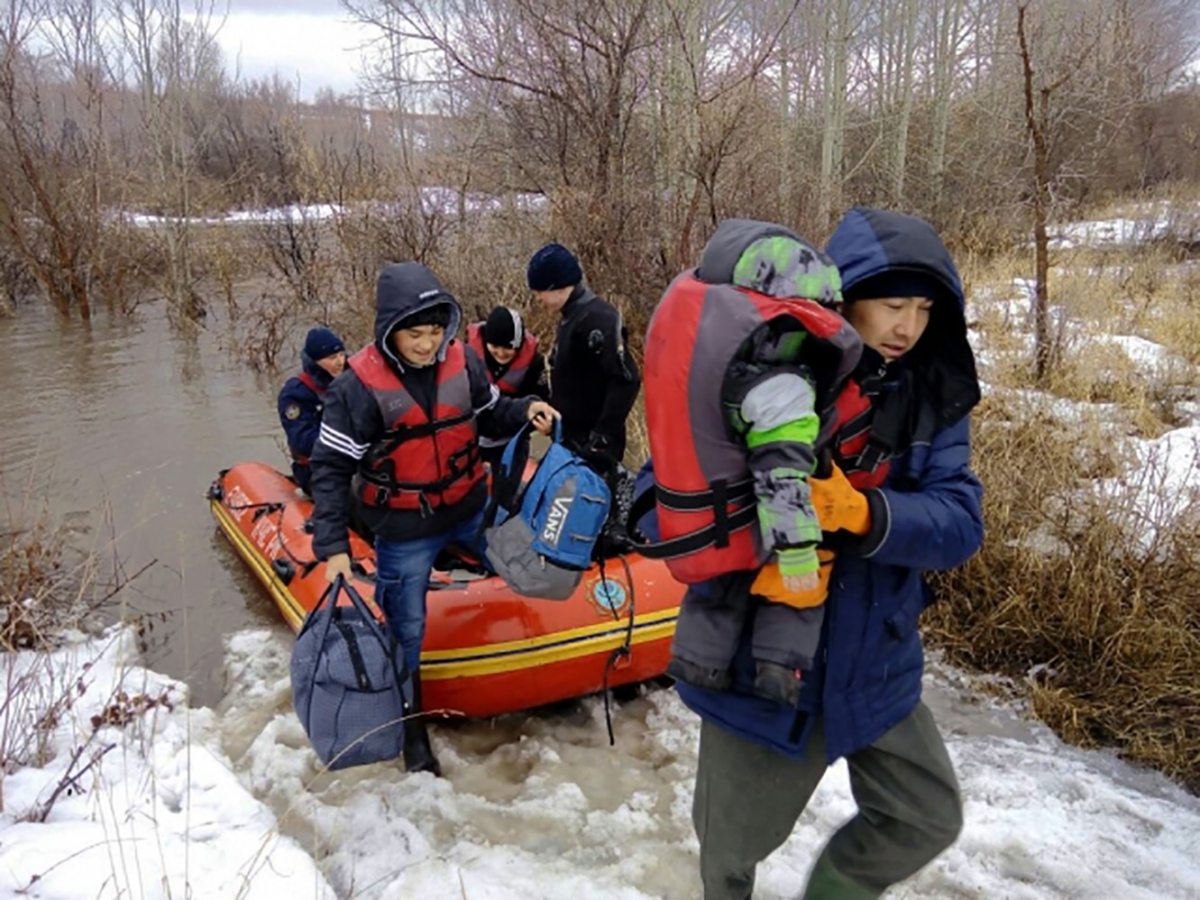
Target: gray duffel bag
<point x="349" y="685"/>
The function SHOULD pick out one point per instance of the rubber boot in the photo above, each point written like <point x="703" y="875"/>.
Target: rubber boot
<point x="778" y="683"/>
<point x="692" y="673"/>
<point x="827" y="883"/>
<point x="418" y="754"/>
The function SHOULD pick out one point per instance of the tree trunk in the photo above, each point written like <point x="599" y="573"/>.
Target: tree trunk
<point x="833" y="138"/>
<point x="1036" y="117"/>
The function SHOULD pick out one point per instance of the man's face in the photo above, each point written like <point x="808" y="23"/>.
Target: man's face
<point x="418" y="346"/>
<point x="556" y="299"/>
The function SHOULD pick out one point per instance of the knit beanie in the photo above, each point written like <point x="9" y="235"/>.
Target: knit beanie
<point x="898" y="283"/>
<point x="504" y="328"/>
<point x="321" y="342"/>
<point x="435" y="314"/>
<point x="553" y="267"/>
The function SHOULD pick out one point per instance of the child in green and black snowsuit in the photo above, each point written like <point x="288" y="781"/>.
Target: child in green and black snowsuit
<point x="770" y="393"/>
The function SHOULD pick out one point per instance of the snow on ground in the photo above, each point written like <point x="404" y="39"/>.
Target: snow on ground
<point x="1108" y="233"/>
<point x="533" y="806"/>
<point x="1143" y="222"/>
<point x="443" y="200"/>
<point x="1161" y="486"/>
<point x="160" y="815"/>
<point x="538" y="805"/>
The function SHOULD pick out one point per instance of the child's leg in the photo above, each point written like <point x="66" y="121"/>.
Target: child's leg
<point x="401" y="581"/>
<point x="706" y="636"/>
<point x="784" y="643"/>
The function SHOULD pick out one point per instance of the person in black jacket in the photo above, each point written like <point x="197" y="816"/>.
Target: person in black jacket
<point x="593" y="378"/>
<point x="402" y="425"/>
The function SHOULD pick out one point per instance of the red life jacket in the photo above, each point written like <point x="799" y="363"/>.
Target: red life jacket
<point x="704" y="491"/>
<point x="311" y="383"/>
<point x="419" y="464"/>
<point x="864" y="464"/>
<point x="514" y="375"/>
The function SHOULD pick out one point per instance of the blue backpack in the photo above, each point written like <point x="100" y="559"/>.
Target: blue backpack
<point x="541" y="536"/>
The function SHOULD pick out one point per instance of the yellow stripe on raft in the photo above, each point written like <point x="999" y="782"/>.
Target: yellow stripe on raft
<point x="491" y="659"/>
<point x="292" y="611"/>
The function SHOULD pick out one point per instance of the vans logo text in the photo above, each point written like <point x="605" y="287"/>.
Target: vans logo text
<point x="555" y="519"/>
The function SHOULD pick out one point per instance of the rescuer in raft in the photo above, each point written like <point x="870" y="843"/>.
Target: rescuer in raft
<point x="302" y="398"/>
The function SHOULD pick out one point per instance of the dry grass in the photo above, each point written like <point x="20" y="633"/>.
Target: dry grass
<point x="1106" y="630"/>
<point x="1103" y="627"/>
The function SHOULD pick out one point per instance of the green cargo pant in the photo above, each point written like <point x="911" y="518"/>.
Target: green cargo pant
<point x="748" y="800"/>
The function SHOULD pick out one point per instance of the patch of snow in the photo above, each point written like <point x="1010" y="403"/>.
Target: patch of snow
<point x="159" y="815"/>
<point x="1107" y="233"/>
<point x="433" y="200"/>
<point x="1162" y="486"/>
<point x="538" y="806"/>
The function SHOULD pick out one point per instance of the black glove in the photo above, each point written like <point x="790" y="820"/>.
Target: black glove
<point x="597" y="451"/>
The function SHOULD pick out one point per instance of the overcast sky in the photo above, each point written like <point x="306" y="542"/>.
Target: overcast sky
<point x="309" y="40"/>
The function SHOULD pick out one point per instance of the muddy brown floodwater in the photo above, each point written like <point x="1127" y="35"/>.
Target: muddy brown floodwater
<point x="123" y="415"/>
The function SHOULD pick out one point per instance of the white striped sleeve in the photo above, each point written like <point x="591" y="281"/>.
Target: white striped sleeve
<point x="341" y="443"/>
<point x="493" y="396"/>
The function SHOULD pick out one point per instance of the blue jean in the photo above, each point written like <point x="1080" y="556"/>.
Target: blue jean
<point x="402" y="579"/>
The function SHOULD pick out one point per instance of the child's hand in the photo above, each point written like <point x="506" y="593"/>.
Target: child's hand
<point x="796" y="584"/>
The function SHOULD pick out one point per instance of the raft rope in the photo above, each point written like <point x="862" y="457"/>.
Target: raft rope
<point x="276" y="507"/>
<point x="623" y="651"/>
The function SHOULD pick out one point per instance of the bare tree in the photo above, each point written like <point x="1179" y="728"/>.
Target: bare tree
<point x="171" y="54"/>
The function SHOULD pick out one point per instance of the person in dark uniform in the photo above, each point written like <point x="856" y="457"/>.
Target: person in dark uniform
<point x="303" y="397"/>
<point x="593" y="378"/>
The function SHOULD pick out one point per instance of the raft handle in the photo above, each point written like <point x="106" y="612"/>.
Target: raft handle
<point x="284" y="569"/>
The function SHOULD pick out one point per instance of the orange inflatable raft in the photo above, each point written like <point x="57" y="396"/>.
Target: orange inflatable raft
<point x="487" y="650"/>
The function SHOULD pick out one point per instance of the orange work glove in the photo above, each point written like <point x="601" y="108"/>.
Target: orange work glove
<point x="769" y="584"/>
<point x="839" y="505"/>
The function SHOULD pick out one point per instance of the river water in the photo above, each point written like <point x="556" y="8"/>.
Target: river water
<point x="124" y="417"/>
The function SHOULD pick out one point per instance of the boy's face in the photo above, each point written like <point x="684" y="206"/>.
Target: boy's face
<point x="890" y="325"/>
<point x="556" y="299"/>
<point x="418" y="346"/>
<point x="502" y="355"/>
<point x="333" y="364"/>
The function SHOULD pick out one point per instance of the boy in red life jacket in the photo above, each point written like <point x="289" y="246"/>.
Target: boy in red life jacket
<point x="402" y="426"/>
<point x="784" y="359"/>
<point x="514" y="363"/>
<point x="303" y="397"/>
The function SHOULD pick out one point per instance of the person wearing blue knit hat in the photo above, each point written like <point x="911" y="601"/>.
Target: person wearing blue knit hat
<point x="303" y="397"/>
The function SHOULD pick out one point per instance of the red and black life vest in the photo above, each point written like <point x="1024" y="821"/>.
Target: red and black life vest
<point x="311" y="383"/>
<point x="704" y="491"/>
<point x="510" y="382"/>
<point x="856" y="444"/>
<point x="419" y="463"/>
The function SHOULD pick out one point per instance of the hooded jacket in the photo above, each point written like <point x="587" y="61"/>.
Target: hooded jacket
<point x="867" y="675"/>
<point x="352" y="423"/>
